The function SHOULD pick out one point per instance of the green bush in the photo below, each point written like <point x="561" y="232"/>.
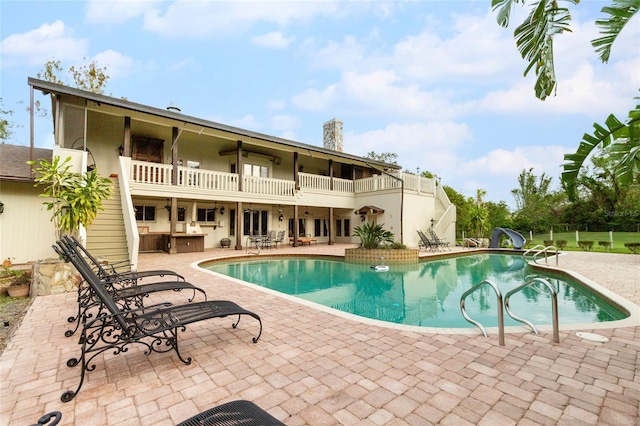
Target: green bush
<point x="373" y="236"/>
<point x="634" y="247"/>
<point x="561" y="244"/>
<point x="585" y="245"/>
<point x="548" y="243"/>
<point x="605" y="244"/>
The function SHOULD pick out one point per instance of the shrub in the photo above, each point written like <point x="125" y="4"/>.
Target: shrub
<point x="548" y="243"/>
<point x="605" y="244"/>
<point x="561" y="244"/>
<point x="585" y="245"/>
<point x="372" y="236"/>
<point x="634" y="247"/>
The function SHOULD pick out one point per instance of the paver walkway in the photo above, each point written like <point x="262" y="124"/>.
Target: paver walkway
<point x="315" y="368"/>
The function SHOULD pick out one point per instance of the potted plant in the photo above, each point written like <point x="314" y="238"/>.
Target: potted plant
<point x="373" y="236"/>
<point x="378" y="247"/>
<point x="21" y="285"/>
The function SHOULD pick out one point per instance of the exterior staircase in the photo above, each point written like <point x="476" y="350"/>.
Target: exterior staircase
<point x="106" y="236"/>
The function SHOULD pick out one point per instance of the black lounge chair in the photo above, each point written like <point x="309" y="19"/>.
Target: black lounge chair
<point x="156" y="327"/>
<point x="126" y="290"/>
<point x="233" y="413"/>
<point x="53" y="417"/>
<point x="114" y="275"/>
<point x="425" y="242"/>
<point x="439" y="242"/>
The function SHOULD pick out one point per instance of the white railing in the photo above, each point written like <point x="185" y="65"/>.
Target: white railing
<point x="309" y="181"/>
<point x="376" y="183"/>
<point x="156" y="173"/>
<point x="417" y="183"/>
<point x="260" y="185"/>
<point x="323" y="183"/>
<point x="447" y="218"/>
<point x="207" y="179"/>
<point x="342" y="185"/>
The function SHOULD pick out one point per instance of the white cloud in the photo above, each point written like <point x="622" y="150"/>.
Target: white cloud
<point x="116" y="63"/>
<point x="273" y="40"/>
<point x="190" y="19"/>
<point x="276" y="105"/>
<point x="315" y="100"/>
<point x="110" y="12"/>
<point x="49" y="41"/>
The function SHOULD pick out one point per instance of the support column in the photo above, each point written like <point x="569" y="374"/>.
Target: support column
<point x="296" y="226"/>
<point x="295" y="170"/>
<point x="239" y="225"/>
<point x="331" y="175"/>
<point x="172" y="229"/>
<point x="331" y="242"/>
<point x="127" y="137"/>
<point x="174" y="156"/>
<point x="239" y="167"/>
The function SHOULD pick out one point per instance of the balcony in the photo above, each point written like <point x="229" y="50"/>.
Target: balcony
<point x="193" y="181"/>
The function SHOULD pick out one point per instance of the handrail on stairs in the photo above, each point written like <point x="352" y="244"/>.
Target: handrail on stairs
<point x="554" y="306"/>
<point x="500" y="309"/>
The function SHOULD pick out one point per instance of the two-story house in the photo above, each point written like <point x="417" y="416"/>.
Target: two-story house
<point x="184" y="184"/>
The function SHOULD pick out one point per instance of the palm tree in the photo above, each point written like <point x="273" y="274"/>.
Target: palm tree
<point x="534" y="40"/>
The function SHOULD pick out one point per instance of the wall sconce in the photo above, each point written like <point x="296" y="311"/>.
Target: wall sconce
<point x="362" y="217"/>
<point x="120" y="150"/>
<point x="432" y="222"/>
<point x="280" y="218"/>
<point x="222" y="211"/>
<point x="1" y="207"/>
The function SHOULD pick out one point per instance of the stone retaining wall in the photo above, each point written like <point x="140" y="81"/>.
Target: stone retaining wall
<point x="53" y="276"/>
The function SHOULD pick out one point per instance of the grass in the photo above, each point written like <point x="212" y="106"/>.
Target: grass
<point x="619" y="239"/>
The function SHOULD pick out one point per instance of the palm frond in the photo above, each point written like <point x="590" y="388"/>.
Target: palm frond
<point x="504" y="10"/>
<point x="620" y="13"/>
<point x="621" y="138"/>
<point x="534" y="40"/>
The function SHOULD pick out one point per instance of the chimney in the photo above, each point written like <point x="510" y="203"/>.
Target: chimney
<point x="332" y="134"/>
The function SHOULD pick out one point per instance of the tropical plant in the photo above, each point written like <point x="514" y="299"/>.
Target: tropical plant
<point x="621" y="140"/>
<point x="534" y="39"/>
<point x="73" y="198"/>
<point x="373" y="236"/>
<point x="478" y="214"/>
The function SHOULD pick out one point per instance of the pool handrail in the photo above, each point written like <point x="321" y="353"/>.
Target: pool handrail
<point x="500" y="309"/>
<point x="554" y="306"/>
<point x="544" y="250"/>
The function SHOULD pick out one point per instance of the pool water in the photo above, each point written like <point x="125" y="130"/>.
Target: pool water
<point x="423" y="294"/>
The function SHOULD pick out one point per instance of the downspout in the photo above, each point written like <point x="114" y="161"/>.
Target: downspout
<point x="401" y="198"/>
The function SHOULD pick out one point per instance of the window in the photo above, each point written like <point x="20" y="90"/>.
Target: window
<point x="317" y="226"/>
<point x="255" y="222"/>
<point x="255" y="170"/>
<point x="181" y="214"/>
<point x="347" y="226"/>
<point x="338" y="227"/>
<point x="206" y="215"/>
<point x="301" y="227"/>
<point x="145" y="213"/>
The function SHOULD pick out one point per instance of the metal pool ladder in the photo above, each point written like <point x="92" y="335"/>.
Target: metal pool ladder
<point x="500" y="310"/>
<point x="541" y="250"/>
<point x="554" y="306"/>
<point x="505" y="304"/>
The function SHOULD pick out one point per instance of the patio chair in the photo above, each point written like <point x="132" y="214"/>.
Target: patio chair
<point x="279" y="238"/>
<point x="53" y="417"/>
<point x="425" y="242"/>
<point x="233" y="413"/>
<point x="127" y="291"/>
<point x="155" y="327"/>
<point x="438" y="241"/>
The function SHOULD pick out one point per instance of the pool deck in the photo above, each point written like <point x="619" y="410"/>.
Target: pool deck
<point x="313" y="367"/>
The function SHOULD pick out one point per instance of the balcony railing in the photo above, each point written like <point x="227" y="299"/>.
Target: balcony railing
<point x="208" y="180"/>
<point x="268" y="186"/>
<point x="323" y="183"/>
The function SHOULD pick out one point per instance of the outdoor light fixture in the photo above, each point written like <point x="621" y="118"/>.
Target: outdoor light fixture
<point x="280" y="218"/>
<point x="432" y="222"/>
<point x="2" y="208"/>
<point x="121" y="150"/>
<point x="362" y="217"/>
<point x="222" y="211"/>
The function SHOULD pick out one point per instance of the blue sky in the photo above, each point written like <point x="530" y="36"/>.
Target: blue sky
<point x="437" y="82"/>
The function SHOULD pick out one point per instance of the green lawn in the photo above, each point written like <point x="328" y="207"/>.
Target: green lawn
<point x="619" y="239"/>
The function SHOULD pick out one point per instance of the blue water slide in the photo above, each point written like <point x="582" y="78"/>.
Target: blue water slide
<point x="516" y="238"/>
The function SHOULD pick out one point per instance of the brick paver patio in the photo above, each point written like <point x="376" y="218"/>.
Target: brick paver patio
<point x="312" y="367"/>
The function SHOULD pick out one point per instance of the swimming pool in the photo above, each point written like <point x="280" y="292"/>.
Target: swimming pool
<point x="426" y="294"/>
